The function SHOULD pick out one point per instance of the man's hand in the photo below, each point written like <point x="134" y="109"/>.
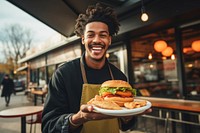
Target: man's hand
<point x="87" y="113"/>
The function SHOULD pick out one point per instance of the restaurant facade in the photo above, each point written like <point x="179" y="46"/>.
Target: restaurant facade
<point x="160" y="57"/>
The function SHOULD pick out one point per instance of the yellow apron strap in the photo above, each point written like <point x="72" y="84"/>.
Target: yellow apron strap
<point x="83" y="71"/>
<point x="111" y="74"/>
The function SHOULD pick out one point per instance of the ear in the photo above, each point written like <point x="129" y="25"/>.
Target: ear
<point x="82" y="40"/>
<point x="110" y="41"/>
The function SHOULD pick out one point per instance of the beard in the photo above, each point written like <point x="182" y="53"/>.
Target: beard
<point x="97" y="47"/>
<point x="97" y="60"/>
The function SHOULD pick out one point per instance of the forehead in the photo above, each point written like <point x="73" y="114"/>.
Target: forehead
<point x="96" y="27"/>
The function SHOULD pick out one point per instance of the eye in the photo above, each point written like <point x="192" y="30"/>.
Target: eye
<point x="103" y="35"/>
<point x="90" y="35"/>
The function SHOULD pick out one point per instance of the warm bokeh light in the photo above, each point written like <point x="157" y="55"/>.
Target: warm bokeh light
<point x="173" y="57"/>
<point x="196" y="46"/>
<point x="167" y="52"/>
<point x="187" y="50"/>
<point x="107" y="55"/>
<point x="160" y="45"/>
<point x="144" y="17"/>
<point x="190" y="65"/>
<point x="150" y="56"/>
<point x="164" y="58"/>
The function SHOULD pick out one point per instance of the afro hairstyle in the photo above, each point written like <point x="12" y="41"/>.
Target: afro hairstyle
<point x="97" y="13"/>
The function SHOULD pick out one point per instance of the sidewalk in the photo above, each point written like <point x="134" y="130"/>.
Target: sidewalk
<point x="13" y="125"/>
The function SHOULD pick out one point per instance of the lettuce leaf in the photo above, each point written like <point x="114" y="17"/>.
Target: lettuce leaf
<point x="113" y="90"/>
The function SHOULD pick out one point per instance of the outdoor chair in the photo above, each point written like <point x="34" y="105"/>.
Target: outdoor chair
<point x="32" y="120"/>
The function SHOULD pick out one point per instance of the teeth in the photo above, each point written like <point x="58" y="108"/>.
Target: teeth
<point x="96" y="48"/>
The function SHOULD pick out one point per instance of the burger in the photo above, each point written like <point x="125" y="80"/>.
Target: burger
<point x="118" y="91"/>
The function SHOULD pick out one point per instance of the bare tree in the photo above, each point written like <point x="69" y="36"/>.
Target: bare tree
<point x="16" y="41"/>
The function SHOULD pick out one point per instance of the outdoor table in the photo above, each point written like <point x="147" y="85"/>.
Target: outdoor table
<point x="38" y="93"/>
<point x="21" y="112"/>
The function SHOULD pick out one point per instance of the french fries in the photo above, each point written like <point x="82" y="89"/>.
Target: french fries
<point x="135" y="104"/>
<point x="100" y="102"/>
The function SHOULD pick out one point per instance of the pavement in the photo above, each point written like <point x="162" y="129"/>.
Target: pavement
<point x="13" y="125"/>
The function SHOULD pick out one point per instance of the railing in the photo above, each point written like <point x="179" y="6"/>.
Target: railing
<point x="173" y="111"/>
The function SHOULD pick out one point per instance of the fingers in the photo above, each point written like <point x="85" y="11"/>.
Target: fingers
<point x="88" y="113"/>
<point x="146" y="111"/>
<point x="86" y="108"/>
<point x="149" y="110"/>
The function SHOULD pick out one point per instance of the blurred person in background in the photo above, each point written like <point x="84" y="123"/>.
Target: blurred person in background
<point x="8" y="88"/>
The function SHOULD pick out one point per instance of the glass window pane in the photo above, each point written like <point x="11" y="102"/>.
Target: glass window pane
<point x="42" y="73"/>
<point x="33" y="76"/>
<point x="191" y="36"/>
<point x="51" y="70"/>
<point x="154" y="64"/>
<point x="117" y="56"/>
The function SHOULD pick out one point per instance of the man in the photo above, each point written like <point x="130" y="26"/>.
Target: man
<point x="65" y="108"/>
<point x="8" y="88"/>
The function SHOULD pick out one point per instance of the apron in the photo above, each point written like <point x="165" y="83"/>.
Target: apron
<point x="88" y="92"/>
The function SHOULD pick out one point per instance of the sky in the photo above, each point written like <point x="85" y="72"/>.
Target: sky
<point x="10" y="14"/>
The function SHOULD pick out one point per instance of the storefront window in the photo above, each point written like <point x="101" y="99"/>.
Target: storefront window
<point x="42" y="73"/>
<point x="50" y="71"/>
<point x="34" y="76"/>
<point x="155" y="65"/>
<point x="117" y="56"/>
<point x="191" y="52"/>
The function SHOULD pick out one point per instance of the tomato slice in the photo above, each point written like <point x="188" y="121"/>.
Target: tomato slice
<point x="104" y="94"/>
<point x="119" y="93"/>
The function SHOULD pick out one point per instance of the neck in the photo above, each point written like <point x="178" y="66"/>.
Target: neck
<point x="95" y="64"/>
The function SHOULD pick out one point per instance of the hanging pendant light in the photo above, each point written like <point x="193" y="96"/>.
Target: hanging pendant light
<point x="173" y="57"/>
<point x="196" y="45"/>
<point x="150" y="56"/>
<point x="144" y="16"/>
<point x="167" y="52"/>
<point x="160" y="45"/>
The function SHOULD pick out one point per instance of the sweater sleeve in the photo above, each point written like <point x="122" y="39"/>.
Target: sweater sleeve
<point x="56" y="108"/>
<point x="129" y="125"/>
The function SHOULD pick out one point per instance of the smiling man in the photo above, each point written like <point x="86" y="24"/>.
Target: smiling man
<point x="96" y="39"/>
<point x="76" y="82"/>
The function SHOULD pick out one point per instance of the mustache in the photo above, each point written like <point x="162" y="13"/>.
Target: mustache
<point x="96" y="44"/>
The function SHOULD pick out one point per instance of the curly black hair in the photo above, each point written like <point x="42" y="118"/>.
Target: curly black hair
<point x="97" y="13"/>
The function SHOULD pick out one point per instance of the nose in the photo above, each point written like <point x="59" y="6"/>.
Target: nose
<point x="97" y="39"/>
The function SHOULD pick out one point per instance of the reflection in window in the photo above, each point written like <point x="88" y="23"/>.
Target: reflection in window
<point x="191" y="35"/>
<point x="50" y="71"/>
<point x="33" y="75"/>
<point x="42" y="73"/>
<point x="117" y="57"/>
<point x="154" y="64"/>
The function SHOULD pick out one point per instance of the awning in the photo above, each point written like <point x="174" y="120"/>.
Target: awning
<point x="61" y="15"/>
<point x="23" y="68"/>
